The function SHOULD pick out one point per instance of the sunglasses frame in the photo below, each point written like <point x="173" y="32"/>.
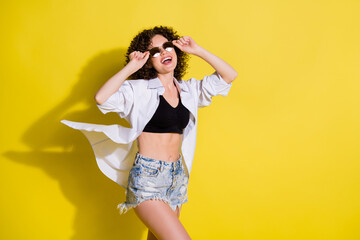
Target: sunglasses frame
<point x="156" y="50"/>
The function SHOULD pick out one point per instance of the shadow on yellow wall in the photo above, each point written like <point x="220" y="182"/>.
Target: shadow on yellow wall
<point x="74" y="167"/>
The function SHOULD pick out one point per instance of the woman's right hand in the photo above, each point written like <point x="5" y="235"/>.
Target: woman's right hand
<point x="138" y="59"/>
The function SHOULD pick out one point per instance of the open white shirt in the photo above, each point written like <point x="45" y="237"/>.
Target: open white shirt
<point x="137" y="100"/>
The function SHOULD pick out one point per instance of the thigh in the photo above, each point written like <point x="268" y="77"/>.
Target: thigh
<point x="177" y="211"/>
<point x="161" y="220"/>
<point x="151" y="236"/>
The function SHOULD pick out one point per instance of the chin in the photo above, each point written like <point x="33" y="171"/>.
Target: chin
<point x="167" y="69"/>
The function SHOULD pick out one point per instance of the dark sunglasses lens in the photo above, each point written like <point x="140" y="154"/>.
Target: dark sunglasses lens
<point x="154" y="50"/>
<point x="168" y="44"/>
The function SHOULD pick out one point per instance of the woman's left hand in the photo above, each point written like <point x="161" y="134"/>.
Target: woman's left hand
<point x="186" y="44"/>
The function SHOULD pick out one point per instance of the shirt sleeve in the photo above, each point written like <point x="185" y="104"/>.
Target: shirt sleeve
<point x="209" y="86"/>
<point x="120" y="102"/>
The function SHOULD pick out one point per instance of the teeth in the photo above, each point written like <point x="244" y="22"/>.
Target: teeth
<point x="166" y="59"/>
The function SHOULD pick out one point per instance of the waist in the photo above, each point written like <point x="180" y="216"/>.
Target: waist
<point x="161" y="146"/>
<point x="156" y="163"/>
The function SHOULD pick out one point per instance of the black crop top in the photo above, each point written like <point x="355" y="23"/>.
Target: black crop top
<point x="168" y="119"/>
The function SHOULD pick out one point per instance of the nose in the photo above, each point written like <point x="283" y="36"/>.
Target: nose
<point x="162" y="50"/>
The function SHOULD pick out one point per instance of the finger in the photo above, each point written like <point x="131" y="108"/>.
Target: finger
<point x="132" y="55"/>
<point x="187" y="38"/>
<point x="146" y="54"/>
<point x="175" y="42"/>
<point x="141" y="55"/>
<point x="178" y="45"/>
<point x="182" y="40"/>
<point x="179" y="42"/>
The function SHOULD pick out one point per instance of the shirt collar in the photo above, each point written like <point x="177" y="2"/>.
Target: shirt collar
<point x="156" y="83"/>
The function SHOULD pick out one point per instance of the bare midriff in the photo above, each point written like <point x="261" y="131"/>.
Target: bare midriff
<point x="160" y="146"/>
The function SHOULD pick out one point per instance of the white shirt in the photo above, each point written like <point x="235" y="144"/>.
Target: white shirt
<point x="137" y="100"/>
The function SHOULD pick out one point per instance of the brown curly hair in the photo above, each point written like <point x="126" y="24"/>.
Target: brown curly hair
<point x="141" y="43"/>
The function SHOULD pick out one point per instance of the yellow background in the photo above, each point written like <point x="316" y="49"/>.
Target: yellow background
<point x="278" y="158"/>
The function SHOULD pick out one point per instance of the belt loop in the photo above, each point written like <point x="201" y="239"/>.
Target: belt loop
<point x="137" y="158"/>
<point x="161" y="167"/>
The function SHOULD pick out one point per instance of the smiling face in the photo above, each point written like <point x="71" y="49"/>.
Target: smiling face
<point x="167" y="60"/>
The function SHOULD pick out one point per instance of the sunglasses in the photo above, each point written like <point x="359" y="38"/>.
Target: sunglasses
<point x="167" y="46"/>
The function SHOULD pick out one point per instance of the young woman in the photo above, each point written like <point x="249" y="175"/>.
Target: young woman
<point x="153" y="158"/>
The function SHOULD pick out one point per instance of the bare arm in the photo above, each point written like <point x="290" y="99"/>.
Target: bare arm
<point x="188" y="45"/>
<point x="137" y="60"/>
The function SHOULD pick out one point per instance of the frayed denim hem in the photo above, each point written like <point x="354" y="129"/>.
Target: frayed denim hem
<point x="124" y="207"/>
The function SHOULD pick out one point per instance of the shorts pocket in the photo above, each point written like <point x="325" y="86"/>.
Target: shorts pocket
<point x="149" y="171"/>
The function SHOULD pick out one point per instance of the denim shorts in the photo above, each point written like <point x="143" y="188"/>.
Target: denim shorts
<point x="155" y="179"/>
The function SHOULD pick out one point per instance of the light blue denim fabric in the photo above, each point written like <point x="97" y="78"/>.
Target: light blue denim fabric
<point x="155" y="179"/>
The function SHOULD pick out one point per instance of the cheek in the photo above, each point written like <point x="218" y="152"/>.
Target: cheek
<point x="175" y="60"/>
<point x="153" y="62"/>
<point x="175" y="55"/>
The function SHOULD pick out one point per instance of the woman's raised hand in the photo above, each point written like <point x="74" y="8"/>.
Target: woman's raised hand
<point x="138" y="59"/>
<point x="186" y="44"/>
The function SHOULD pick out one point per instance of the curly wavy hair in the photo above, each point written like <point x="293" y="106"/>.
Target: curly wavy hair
<point x="141" y="43"/>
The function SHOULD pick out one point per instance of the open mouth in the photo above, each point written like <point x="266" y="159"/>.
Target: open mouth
<point x="166" y="60"/>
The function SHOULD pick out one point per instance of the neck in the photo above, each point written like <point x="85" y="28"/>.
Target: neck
<point x="166" y="79"/>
